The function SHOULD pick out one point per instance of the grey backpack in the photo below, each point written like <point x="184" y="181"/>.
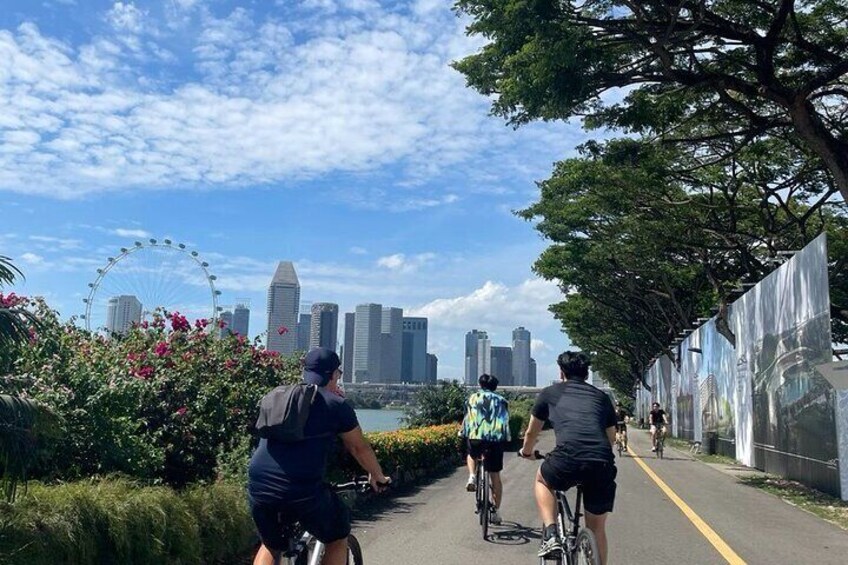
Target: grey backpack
<point x="283" y="412"/>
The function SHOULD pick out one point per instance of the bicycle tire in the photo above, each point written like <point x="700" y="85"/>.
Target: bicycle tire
<point x="478" y="495"/>
<point x="354" y="551"/>
<point x="484" y="513"/>
<point x="586" y="549"/>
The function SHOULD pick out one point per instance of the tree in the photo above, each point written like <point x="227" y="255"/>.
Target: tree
<point x="689" y="71"/>
<point x="443" y="403"/>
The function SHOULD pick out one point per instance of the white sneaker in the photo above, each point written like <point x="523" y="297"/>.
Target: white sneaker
<point x="495" y="518"/>
<point x="471" y="485"/>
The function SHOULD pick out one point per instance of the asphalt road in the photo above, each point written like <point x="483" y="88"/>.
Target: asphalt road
<point x="436" y="525"/>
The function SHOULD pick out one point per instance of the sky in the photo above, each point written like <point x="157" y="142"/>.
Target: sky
<point x="332" y="133"/>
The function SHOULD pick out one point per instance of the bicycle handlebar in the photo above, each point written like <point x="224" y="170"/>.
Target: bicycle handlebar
<point x="361" y="483"/>
<point x="537" y="455"/>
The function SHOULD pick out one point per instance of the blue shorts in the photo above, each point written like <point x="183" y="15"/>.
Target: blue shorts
<point x="324" y="516"/>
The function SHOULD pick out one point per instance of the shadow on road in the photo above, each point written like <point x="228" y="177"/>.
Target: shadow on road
<point x="512" y="533"/>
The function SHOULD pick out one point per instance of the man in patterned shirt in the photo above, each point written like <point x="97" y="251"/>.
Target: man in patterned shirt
<point x="486" y="427"/>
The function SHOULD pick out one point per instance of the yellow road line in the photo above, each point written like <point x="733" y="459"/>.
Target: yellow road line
<point x="729" y="555"/>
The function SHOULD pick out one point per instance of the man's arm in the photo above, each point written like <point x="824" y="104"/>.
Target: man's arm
<point x="361" y="450"/>
<point x="611" y="434"/>
<point x="531" y="436"/>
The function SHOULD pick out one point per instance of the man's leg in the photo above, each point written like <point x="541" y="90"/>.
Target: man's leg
<point x="624" y="437"/>
<point x="597" y="523"/>
<point x="497" y="488"/>
<point x="545" y="501"/>
<point x="472" y="465"/>
<point x="264" y="557"/>
<point x="335" y="553"/>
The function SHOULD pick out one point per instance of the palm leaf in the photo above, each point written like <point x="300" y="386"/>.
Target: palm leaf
<point x="24" y="425"/>
<point x="8" y="272"/>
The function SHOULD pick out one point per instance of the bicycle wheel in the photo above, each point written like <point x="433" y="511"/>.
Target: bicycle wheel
<point x="660" y="447"/>
<point x="354" y="551"/>
<point x="484" y="512"/>
<point x="586" y="549"/>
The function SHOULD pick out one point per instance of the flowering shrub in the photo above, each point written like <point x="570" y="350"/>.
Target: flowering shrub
<point x="159" y="403"/>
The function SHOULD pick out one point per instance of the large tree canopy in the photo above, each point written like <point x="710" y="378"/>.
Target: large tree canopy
<point x="685" y="71"/>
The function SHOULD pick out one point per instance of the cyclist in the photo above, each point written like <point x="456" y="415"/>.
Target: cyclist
<point x="621" y="416"/>
<point x="584" y="421"/>
<point x="285" y="479"/>
<point x="486" y="427"/>
<point x="658" y="419"/>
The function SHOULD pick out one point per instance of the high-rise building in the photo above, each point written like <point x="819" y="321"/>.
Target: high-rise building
<point x="283" y="302"/>
<point x="532" y="381"/>
<point x="414" y="357"/>
<point x="432" y="369"/>
<point x="347" y="348"/>
<point x="502" y="364"/>
<point x="473" y="363"/>
<point x="521" y="357"/>
<point x="241" y="319"/>
<point x="121" y="313"/>
<point x="304" y="327"/>
<point x="391" y="348"/>
<point x="324" y="326"/>
<point x="225" y="324"/>
<point x="484" y="356"/>
<point x="367" y="341"/>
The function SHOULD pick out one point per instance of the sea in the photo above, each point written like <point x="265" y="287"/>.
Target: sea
<point x="380" y="420"/>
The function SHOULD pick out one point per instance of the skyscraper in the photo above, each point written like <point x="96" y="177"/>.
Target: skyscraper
<point x="241" y="319"/>
<point x="225" y="326"/>
<point x="521" y="357"/>
<point x="484" y="356"/>
<point x="367" y="338"/>
<point x="283" y="302"/>
<point x="304" y="327"/>
<point x="532" y="381"/>
<point x="391" y="348"/>
<point x="121" y="313"/>
<point x="324" y="326"/>
<point x="414" y="356"/>
<point x="502" y="364"/>
<point x="347" y="349"/>
<point x="474" y="365"/>
<point x="432" y="369"/>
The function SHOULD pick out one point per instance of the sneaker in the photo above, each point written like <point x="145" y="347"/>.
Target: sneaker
<point x="495" y="518"/>
<point x="551" y="548"/>
<point x="653" y="449"/>
<point x="471" y="485"/>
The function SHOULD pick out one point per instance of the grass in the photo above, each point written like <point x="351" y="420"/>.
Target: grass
<point x="684" y="445"/>
<point x="818" y="503"/>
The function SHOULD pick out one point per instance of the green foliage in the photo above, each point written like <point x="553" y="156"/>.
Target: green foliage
<point x="25" y="428"/>
<point x="519" y="416"/>
<point x="442" y="403"/>
<point x="115" y="521"/>
<point x="159" y="404"/>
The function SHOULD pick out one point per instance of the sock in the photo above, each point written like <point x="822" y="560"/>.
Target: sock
<point x="550" y="531"/>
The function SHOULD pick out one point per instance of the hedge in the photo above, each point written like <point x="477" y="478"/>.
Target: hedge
<point x="115" y="521"/>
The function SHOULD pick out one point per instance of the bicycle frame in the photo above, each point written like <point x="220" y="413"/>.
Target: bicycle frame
<point x="569" y="523"/>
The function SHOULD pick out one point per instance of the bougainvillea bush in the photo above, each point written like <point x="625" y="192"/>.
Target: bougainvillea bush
<point x="160" y="403"/>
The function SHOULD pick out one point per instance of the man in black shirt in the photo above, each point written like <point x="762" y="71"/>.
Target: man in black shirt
<point x="584" y="421"/>
<point x="621" y="416"/>
<point x="657" y="419"/>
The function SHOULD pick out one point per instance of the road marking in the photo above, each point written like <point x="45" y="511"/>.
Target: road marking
<point x="729" y="555"/>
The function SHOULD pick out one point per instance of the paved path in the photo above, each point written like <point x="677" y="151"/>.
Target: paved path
<point x="436" y="525"/>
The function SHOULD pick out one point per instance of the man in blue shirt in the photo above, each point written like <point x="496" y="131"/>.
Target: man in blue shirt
<point x="286" y="479"/>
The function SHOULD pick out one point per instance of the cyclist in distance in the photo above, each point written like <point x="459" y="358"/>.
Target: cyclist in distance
<point x="286" y="478"/>
<point x="621" y="416"/>
<point x="657" y="419"/>
<point x="486" y="427"/>
<point x="584" y="421"/>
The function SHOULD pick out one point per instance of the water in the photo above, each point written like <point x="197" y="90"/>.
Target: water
<point x="380" y="420"/>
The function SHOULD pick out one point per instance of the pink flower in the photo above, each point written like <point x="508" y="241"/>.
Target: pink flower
<point x="222" y="324"/>
<point x="282" y="330"/>
<point x="229" y="364"/>
<point x="242" y="339"/>
<point x="201" y="323"/>
<point x="144" y="373"/>
<point x="182" y="411"/>
<point x="162" y="349"/>
<point x="133" y="357"/>
<point x="145" y="324"/>
<point x="179" y="323"/>
<point x="11" y="300"/>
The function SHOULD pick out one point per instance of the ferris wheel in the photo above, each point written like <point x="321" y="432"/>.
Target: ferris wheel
<point x="146" y="277"/>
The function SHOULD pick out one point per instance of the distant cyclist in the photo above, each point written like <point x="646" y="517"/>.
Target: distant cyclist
<point x="486" y="427"/>
<point x="658" y="419"/>
<point x="621" y="416"/>
<point x="584" y="420"/>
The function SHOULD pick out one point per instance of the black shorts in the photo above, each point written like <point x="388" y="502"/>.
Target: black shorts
<point x="324" y="516"/>
<point x="620" y="427"/>
<point x="598" y="480"/>
<point x="493" y="451"/>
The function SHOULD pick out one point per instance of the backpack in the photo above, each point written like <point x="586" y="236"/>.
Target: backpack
<point x="283" y="412"/>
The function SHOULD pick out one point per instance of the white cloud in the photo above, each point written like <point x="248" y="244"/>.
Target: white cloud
<point x="538" y="346"/>
<point x="402" y="263"/>
<point x="32" y="259"/>
<point x="126" y="232"/>
<point x="366" y="88"/>
<point x="356" y="250"/>
<point x="49" y="242"/>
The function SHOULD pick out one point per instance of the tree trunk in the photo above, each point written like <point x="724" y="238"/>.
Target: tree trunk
<point x="822" y="142"/>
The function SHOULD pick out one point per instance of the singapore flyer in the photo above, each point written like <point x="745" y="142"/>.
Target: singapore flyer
<point x="146" y="277"/>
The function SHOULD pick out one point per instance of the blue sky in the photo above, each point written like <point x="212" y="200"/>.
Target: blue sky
<point x="332" y="133"/>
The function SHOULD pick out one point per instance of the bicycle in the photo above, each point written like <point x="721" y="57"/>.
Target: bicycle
<point x="579" y="545"/>
<point x="483" y="501"/>
<point x="304" y="549"/>
<point x="660" y="441"/>
<point x="621" y="439"/>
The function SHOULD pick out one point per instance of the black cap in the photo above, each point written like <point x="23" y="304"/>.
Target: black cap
<point x="319" y="366"/>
